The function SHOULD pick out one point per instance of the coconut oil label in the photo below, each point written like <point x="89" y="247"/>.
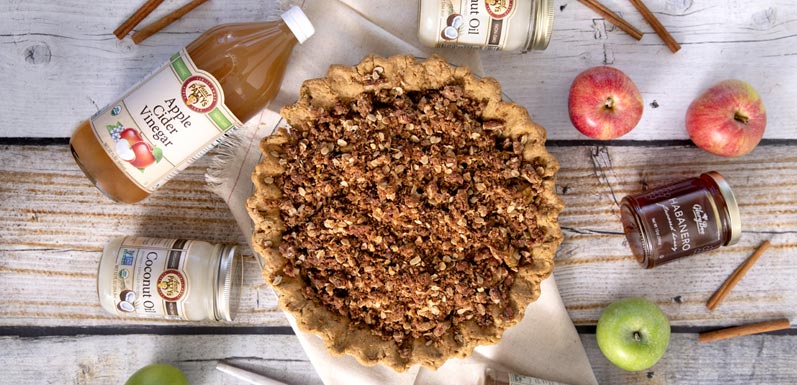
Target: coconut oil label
<point x="150" y="277"/>
<point x="165" y="122"/>
<point x="483" y="23"/>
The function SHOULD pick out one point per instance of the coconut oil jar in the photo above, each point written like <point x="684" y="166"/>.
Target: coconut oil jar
<point x="174" y="279"/>
<point x="489" y="24"/>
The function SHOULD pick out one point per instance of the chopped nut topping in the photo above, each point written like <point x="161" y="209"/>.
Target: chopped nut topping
<point x="409" y="214"/>
<point x="432" y="232"/>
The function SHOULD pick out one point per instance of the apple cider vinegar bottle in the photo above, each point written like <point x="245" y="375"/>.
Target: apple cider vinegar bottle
<point x="223" y="78"/>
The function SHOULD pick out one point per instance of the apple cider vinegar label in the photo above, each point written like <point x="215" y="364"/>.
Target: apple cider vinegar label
<point x="475" y="23"/>
<point x="164" y="123"/>
<point x="150" y="278"/>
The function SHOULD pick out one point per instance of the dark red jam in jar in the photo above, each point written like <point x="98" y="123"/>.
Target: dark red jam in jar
<point x="682" y="219"/>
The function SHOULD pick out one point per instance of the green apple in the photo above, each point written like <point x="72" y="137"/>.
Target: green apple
<point x="633" y="333"/>
<point x="157" y="374"/>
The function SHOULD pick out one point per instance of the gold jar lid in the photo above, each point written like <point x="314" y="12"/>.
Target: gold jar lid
<point x="734" y="217"/>
<point x="541" y="25"/>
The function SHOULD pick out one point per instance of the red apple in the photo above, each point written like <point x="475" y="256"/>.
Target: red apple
<point x="144" y="156"/>
<point x="604" y="103"/>
<point x="131" y="135"/>
<point x="728" y="119"/>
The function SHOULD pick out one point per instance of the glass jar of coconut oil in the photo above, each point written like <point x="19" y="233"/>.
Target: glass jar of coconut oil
<point x="170" y="279"/>
<point x="489" y="24"/>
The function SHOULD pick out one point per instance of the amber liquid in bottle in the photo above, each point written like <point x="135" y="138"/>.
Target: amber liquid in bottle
<point x="248" y="60"/>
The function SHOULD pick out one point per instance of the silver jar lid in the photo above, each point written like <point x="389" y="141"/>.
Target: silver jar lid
<point x="734" y="217"/>
<point x="540" y="25"/>
<point x="228" y="283"/>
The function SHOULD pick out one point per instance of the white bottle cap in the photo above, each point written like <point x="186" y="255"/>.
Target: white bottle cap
<point x="299" y="24"/>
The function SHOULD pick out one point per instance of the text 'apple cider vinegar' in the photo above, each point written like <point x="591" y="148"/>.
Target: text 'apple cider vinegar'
<point x="223" y="78"/>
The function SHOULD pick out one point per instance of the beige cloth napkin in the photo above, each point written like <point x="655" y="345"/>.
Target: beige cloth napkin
<point x="544" y="344"/>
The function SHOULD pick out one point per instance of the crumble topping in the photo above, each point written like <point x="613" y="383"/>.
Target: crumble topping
<point x="410" y="214"/>
<point x="407" y="212"/>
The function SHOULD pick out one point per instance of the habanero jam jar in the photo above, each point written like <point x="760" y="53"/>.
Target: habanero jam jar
<point x="488" y="24"/>
<point x="173" y="279"/>
<point x="685" y="218"/>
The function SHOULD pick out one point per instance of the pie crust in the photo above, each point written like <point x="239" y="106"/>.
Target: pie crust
<point x="435" y="322"/>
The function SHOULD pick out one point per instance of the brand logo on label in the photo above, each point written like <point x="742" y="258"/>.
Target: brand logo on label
<point x="701" y="218"/>
<point x="128" y="256"/>
<point x="499" y="9"/>
<point x="199" y="94"/>
<point x="171" y="285"/>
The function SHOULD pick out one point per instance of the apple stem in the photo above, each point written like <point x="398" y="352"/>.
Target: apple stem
<point x="740" y="117"/>
<point x="609" y="103"/>
<point x="637" y="336"/>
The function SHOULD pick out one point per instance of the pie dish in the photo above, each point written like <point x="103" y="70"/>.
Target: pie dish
<point x="409" y="214"/>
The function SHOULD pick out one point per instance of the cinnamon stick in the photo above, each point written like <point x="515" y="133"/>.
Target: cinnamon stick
<point x="737" y="331"/>
<point x="737" y="276"/>
<point x="613" y="18"/>
<point x="163" y="22"/>
<point x="657" y="26"/>
<point x="136" y="18"/>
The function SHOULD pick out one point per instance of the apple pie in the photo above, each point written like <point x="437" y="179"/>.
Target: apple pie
<point x="409" y="214"/>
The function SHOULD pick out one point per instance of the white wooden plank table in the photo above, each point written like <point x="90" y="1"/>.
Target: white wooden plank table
<point x="59" y="63"/>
